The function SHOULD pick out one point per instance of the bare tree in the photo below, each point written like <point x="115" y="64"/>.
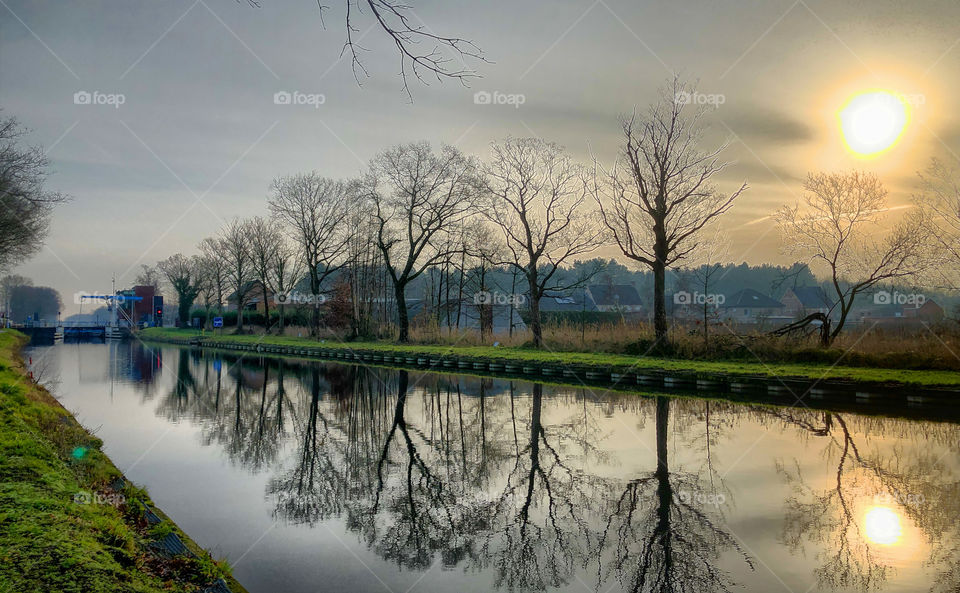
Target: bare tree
<point x="536" y="198"/>
<point x="184" y="275"/>
<point x="710" y="256"/>
<point x="315" y="211"/>
<point x="234" y="246"/>
<point x="440" y="57"/>
<point x="417" y="197"/>
<point x="659" y="195"/>
<point x="480" y="244"/>
<point x="838" y="228"/>
<point x="149" y="276"/>
<point x="264" y="240"/>
<point x="25" y="204"/>
<point x="214" y="271"/>
<point x="939" y="204"/>
<point x="285" y="270"/>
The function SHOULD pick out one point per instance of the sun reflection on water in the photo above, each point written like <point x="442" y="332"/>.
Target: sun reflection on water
<point x="882" y="526"/>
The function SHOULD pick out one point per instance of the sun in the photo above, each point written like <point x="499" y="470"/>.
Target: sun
<point x="872" y="122"/>
<point x="882" y="526"/>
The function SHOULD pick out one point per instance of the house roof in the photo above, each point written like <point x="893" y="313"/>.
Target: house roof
<point x="624" y="295"/>
<point x="749" y="297"/>
<point x="812" y="297"/>
<point x="572" y="300"/>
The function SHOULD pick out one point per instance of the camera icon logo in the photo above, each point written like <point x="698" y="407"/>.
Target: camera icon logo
<point x="282" y="98"/>
<point x="82" y="98"/>
<point x="482" y="98"/>
<point x="482" y="298"/>
<point x="682" y="298"/>
<point x="882" y="297"/>
<point x="281" y="298"/>
<point x="82" y="497"/>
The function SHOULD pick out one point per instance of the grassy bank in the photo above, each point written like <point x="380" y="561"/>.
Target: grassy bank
<point x="66" y="522"/>
<point x="778" y="369"/>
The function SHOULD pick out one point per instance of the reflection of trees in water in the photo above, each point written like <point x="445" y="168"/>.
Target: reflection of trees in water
<point x="912" y="478"/>
<point x="464" y="470"/>
<point x="658" y="535"/>
<point x="244" y="413"/>
<point x="540" y="529"/>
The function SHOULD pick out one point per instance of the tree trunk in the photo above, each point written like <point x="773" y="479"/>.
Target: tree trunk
<point x="184" y="311"/>
<point x="659" y="302"/>
<point x="402" y="320"/>
<point x="315" y="292"/>
<point x="266" y="308"/>
<point x="535" y="325"/>
<point x="844" y="311"/>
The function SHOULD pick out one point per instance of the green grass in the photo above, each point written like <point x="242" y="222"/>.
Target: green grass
<point x="49" y="541"/>
<point x="805" y="370"/>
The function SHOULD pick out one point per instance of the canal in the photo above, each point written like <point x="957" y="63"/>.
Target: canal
<point x="310" y="476"/>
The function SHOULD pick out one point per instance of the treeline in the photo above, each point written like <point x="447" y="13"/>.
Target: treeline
<point x="529" y="210"/>
<point x="20" y="300"/>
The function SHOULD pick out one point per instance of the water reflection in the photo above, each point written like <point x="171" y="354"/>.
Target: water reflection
<point x="544" y="488"/>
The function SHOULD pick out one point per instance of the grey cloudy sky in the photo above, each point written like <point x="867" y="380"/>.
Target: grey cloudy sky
<point x="199" y="138"/>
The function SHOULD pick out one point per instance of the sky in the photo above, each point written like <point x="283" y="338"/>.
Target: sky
<point x="182" y="131"/>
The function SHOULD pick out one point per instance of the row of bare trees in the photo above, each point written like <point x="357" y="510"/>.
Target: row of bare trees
<point x="531" y="208"/>
<point x="417" y="209"/>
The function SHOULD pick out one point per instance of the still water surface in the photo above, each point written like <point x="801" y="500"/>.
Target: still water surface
<point x="312" y="476"/>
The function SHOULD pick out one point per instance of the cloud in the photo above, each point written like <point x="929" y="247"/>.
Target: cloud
<point x="766" y="125"/>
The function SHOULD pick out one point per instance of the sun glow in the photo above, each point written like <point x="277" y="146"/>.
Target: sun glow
<point x="873" y="122"/>
<point x="882" y="526"/>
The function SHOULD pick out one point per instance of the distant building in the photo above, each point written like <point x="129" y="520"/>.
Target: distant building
<point x="492" y="318"/>
<point x="801" y="301"/>
<point x="253" y="300"/>
<point x="608" y="298"/>
<point x="896" y="315"/>
<point x="619" y="298"/>
<point x="138" y="311"/>
<point x="571" y="301"/>
<point x="750" y="306"/>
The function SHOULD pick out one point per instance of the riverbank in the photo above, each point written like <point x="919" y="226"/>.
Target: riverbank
<point x="69" y="521"/>
<point x="584" y="362"/>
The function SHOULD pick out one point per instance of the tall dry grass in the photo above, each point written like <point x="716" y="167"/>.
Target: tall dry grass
<point x="933" y="347"/>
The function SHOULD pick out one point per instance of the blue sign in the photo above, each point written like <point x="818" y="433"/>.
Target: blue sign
<point x="218" y="322"/>
<point x="217" y="365"/>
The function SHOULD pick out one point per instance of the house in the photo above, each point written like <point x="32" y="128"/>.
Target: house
<point x="494" y="318"/>
<point x="928" y="312"/>
<point x="618" y="298"/>
<point x="253" y="297"/>
<point x="912" y="314"/>
<point x="801" y="301"/>
<point x="750" y="306"/>
<point x="572" y="301"/>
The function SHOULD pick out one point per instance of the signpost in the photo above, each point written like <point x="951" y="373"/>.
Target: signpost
<point x="218" y="322"/>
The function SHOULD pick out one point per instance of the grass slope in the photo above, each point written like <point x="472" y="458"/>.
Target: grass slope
<point x="816" y="371"/>
<point x="49" y="464"/>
